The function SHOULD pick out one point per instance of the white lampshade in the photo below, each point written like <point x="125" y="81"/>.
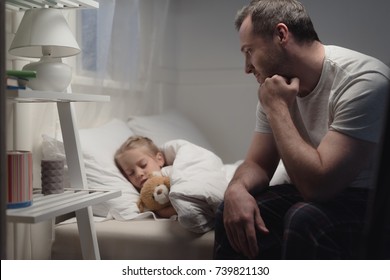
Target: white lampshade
<point x="44" y="33"/>
<point x="44" y="27"/>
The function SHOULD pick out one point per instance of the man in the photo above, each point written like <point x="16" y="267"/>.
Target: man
<point x="320" y="111"/>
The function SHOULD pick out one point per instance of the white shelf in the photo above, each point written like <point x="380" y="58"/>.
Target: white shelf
<point x="32" y="96"/>
<point x="21" y="5"/>
<point x="51" y="206"/>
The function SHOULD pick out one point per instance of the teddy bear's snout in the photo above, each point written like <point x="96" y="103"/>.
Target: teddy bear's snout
<point x="160" y="194"/>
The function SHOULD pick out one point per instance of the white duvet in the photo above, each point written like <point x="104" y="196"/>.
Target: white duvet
<point x="198" y="183"/>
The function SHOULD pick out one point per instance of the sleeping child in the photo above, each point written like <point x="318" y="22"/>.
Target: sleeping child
<point x="197" y="177"/>
<point x="137" y="158"/>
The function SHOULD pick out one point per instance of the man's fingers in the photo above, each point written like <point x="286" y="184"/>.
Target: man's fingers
<point x="232" y="237"/>
<point x="260" y="225"/>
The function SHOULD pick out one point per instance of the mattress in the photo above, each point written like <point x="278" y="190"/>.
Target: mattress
<point x="145" y="239"/>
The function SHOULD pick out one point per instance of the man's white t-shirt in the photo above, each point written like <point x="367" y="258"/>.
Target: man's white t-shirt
<point x="350" y="98"/>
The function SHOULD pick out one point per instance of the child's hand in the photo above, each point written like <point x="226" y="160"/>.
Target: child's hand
<point x="166" y="212"/>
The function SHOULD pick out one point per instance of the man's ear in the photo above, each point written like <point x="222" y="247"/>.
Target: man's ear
<point x="282" y="32"/>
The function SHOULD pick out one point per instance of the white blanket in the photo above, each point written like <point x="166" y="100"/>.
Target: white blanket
<point x="198" y="182"/>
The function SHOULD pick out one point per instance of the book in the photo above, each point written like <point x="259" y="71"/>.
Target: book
<point x="26" y="74"/>
<point x="15" y="82"/>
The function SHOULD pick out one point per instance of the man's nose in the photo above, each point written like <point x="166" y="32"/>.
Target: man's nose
<point x="248" y="66"/>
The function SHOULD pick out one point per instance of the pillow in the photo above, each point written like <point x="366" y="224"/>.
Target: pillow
<point x="168" y="126"/>
<point x="98" y="148"/>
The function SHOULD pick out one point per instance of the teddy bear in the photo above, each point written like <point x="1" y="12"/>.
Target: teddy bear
<point x="154" y="194"/>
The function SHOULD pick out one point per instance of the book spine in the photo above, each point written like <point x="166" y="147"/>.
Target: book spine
<point x="22" y="73"/>
<point x="15" y="82"/>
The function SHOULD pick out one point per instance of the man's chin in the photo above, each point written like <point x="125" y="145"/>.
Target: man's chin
<point x="258" y="79"/>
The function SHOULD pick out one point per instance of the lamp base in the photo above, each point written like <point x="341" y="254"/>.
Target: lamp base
<point x="51" y="74"/>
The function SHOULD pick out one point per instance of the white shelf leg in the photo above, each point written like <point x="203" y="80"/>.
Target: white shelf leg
<point x="76" y="169"/>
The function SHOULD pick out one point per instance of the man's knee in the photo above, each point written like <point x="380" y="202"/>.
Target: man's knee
<point x="300" y="230"/>
<point x="301" y="215"/>
<point x="313" y="232"/>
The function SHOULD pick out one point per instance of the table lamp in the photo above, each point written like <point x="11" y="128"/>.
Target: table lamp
<point x="45" y="34"/>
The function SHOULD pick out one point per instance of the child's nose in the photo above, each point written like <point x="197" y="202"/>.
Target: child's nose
<point x="140" y="173"/>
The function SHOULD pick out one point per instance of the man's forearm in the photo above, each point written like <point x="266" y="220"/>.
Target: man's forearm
<point x="250" y="176"/>
<point x="302" y="161"/>
<point x="319" y="172"/>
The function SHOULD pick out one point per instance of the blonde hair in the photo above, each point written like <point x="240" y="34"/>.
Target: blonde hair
<point x="135" y="142"/>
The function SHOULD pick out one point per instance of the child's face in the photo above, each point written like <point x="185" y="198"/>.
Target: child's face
<point x="137" y="164"/>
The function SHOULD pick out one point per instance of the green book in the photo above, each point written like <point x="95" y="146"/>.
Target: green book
<point x="22" y="73"/>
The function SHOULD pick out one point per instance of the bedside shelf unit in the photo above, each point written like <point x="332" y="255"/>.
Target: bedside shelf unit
<point x="79" y="198"/>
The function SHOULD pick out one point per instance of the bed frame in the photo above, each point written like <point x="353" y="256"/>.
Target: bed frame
<point x="145" y="239"/>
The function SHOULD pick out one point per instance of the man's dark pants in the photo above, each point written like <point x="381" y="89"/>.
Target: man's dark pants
<point x="303" y="230"/>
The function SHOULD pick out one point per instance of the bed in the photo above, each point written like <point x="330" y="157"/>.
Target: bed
<point x="145" y="239"/>
<point x="122" y="231"/>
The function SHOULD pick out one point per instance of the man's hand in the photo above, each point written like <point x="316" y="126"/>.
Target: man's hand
<point x="241" y="219"/>
<point x="278" y="91"/>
